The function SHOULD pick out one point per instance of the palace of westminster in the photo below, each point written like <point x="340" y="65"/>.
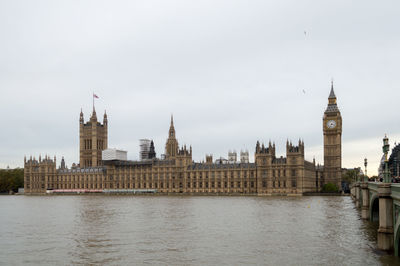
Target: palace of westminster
<point x="176" y="172"/>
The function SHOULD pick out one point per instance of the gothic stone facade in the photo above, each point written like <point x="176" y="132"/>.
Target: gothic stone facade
<point x="332" y="127"/>
<point x="177" y="173"/>
<point x="92" y="140"/>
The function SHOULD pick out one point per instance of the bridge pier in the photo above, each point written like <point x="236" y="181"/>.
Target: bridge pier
<point x="365" y="201"/>
<point x="357" y="190"/>
<point x="353" y="192"/>
<point x="385" y="231"/>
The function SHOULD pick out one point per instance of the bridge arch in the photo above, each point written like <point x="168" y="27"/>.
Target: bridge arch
<point x="374" y="208"/>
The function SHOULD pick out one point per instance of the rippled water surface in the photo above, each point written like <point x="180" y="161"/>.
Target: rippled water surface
<point x="121" y="230"/>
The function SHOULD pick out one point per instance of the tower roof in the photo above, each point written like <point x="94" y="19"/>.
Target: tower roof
<point x="81" y="121"/>
<point x="332" y="106"/>
<point x="171" y="147"/>
<point x="171" y="127"/>
<point x="332" y="94"/>
<point x="94" y="116"/>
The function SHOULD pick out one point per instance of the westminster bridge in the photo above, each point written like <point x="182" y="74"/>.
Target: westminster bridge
<point x="380" y="202"/>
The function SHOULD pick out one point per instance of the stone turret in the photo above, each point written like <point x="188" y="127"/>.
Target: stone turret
<point x="152" y="152"/>
<point x="62" y="163"/>
<point x="290" y="148"/>
<point x="184" y="156"/>
<point x="261" y="149"/>
<point x="105" y="120"/>
<point x="93" y="139"/>
<point x="81" y="120"/>
<point x="264" y="155"/>
<point x="38" y="175"/>
<point x="295" y="154"/>
<point x="171" y="147"/>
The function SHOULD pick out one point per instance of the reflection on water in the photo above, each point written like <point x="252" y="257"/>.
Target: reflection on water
<point x="120" y="230"/>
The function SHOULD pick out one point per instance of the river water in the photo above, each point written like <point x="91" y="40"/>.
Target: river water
<point x="169" y="230"/>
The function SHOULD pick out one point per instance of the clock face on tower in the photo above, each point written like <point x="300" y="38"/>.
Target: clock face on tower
<point x="331" y="124"/>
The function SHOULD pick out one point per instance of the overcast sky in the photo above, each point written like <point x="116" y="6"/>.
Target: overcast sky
<point x="231" y="72"/>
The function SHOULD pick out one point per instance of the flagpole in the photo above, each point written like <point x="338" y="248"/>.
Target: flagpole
<point x="94" y="96"/>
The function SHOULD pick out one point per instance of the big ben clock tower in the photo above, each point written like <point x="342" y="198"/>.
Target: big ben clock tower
<point x="332" y="125"/>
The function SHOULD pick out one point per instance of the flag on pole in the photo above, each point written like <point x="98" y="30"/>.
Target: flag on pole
<point x="94" y="96"/>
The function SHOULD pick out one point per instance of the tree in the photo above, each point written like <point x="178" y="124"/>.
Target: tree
<point x="351" y="175"/>
<point x="329" y="187"/>
<point x="11" y="179"/>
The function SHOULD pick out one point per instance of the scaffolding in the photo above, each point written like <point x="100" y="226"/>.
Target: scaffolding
<point x="114" y="154"/>
<point x="144" y="149"/>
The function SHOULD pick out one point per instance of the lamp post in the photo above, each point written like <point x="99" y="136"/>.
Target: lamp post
<point x="385" y="149"/>
<point x="365" y="165"/>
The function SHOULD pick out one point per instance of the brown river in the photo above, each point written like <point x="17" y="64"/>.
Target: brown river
<point x="172" y="230"/>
